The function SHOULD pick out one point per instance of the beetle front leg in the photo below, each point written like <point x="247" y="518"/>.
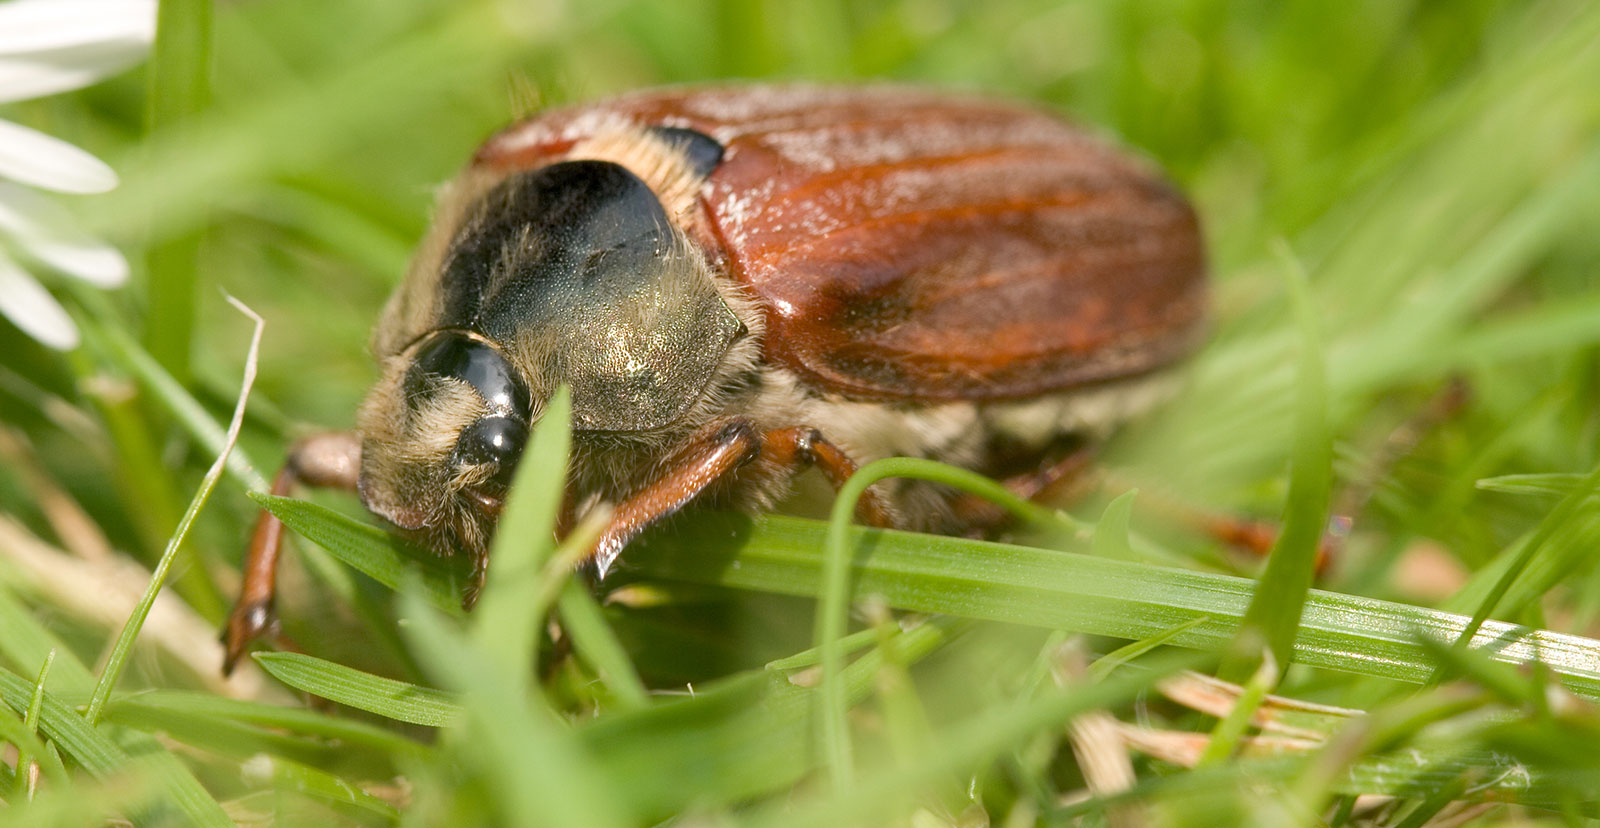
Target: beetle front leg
<point x="727" y="447"/>
<point x="330" y="460"/>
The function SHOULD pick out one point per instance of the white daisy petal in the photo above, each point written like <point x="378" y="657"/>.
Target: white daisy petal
<point x="60" y="70"/>
<point x="42" y="25"/>
<point x="50" y="46"/>
<point x="49" y="233"/>
<point x="33" y="310"/>
<point x="32" y="157"/>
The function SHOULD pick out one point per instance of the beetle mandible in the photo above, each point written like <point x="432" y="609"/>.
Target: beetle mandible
<point x="741" y="282"/>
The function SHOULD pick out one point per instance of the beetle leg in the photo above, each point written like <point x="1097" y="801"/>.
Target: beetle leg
<point x="475" y="581"/>
<point x="800" y="446"/>
<point x="729" y="446"/>
<point x="330" y="460"/>
<point x="976" y="515"/>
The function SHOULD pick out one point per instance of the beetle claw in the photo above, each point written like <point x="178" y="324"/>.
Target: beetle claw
<point x="246" y="624"/>
<point x="603" y="559"/>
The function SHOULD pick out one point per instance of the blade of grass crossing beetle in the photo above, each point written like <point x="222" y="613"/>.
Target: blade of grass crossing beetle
<point x="1274" y="613"/>
<point x="1024" y="585"/>
<point x="1063" y="590"/>
<point x="1038" y="587"/>
<point x="536" y="770"/>
<point x="385" y="558"/>
<point x="506" y="620"/>
<point x="830" y="621"/>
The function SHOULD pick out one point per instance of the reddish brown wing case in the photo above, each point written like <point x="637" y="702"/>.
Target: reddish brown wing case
<point x="918" y="246"/>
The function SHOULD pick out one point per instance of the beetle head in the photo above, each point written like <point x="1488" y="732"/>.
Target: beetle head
<point x="570" y="274"/>
<point x="442" y="433"/>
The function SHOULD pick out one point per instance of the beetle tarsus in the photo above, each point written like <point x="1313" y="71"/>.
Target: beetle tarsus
<point x="248" y="622"/>
<point x="475" y="582"/>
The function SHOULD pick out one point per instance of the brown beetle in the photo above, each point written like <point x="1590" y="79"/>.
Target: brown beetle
<point x="741" y="282"/>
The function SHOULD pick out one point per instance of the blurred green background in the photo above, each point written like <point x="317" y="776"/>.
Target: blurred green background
<point x="1433" y="168"/>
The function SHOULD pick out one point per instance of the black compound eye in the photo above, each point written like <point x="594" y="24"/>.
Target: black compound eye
<point x="454" y="355"/>
<point x="497" y="440"/>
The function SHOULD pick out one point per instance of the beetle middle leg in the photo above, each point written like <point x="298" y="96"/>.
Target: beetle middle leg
<point x="330" y="460"/>
<point x="726" y="447"/>
<point x="975" y="515"/>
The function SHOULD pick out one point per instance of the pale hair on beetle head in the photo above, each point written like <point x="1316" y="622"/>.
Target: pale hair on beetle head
<point x="409" y="474"/>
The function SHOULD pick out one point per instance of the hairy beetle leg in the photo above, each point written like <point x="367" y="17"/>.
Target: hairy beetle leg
<point x="331" y="460"/>
<point x="726" y="447"/>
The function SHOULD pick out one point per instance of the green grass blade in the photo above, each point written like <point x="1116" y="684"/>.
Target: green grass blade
<point x="30" y="722"/>
<point x="331" y="789"/>
<point x="243" y="742"/>
<point x="1062" y="590"/>
<point x="181" y="790"/>
<point x="506" y="622"/>
<point x="341" y="730"/>
<point x="1111" y="538"/>
<point x="22" y="735"/>
<point x="180" y="87"/>
<point x="1104" y="666"/>
<point x="102" y="757"/>
<point x="741" y="737"/>
<point x="62" y="725"/>
<point x="537" y="771"/>
<point x="1537" y="547"/>
<point x="974" y="740"/>
<point x="1230" y="729"/>
<point x="391" y="699"/>
<point x="594" y="642"/>
<point x="1558" y="484"/>
<point x="130" y="631"/>
<point x="830" y="622"/>
<point x="1274" y="612"/>
<point x="385" y="558"/>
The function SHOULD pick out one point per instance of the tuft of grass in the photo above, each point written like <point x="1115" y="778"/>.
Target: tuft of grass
<point x="1433" y="167"/>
